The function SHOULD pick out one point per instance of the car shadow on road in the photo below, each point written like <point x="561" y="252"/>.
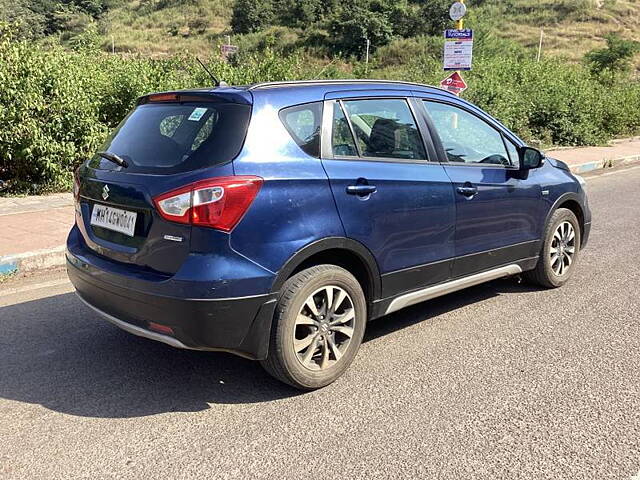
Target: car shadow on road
<point x="57" y="353"/>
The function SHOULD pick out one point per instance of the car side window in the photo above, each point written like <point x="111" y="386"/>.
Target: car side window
<point x="342" y="143"/>
<point x="303" y="122"/>
<point x="385" y="128"/>
<point x="467" y="138"/>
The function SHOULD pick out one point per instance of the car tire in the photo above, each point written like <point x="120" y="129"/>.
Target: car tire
<point x="318" y="327"/>
<point x="559" y="252"/>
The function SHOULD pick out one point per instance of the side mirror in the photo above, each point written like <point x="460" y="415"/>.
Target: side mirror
<point x="530" y="158"/>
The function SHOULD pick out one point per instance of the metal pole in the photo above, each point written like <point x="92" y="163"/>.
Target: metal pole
<point x="459" y="26"/>
<point x="460" y="23"/>
<point x="540" y="45"/>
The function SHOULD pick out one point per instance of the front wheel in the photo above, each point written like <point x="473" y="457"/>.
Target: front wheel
<point x="318" y="327"/>
<point x="559" y="251"/>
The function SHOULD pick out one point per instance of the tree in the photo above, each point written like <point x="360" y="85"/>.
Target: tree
<point x="353" y="25"/>
<point x="26" y="22"/>
<point x="250" y="16"/>
<point x="615" y="57"/>
<point x="434" y="16"/>
<point x="301" y="13"/>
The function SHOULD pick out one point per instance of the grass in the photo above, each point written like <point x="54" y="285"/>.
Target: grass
<point x="568" y="32"/>
<point x="196" y="26"/>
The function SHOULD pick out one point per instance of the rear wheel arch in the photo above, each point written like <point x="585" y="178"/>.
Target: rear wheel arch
<point x="343" y="252"/>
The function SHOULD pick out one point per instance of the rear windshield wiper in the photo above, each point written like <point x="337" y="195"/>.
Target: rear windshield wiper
<point x="112" y="157"/>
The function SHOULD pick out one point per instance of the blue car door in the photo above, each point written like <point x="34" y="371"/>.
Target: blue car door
<point x="392" y="194"/>
<point x="497" y="213"/>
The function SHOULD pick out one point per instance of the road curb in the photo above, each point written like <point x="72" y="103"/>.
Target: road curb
<point x="32" y="261"/>
<point x="605" y="163"/>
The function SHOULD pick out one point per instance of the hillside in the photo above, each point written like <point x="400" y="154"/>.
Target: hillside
<point x="149" y="28"/>
<point x="571" y="27"/>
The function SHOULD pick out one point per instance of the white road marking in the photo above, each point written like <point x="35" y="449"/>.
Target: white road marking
<point x="30" y="288"/>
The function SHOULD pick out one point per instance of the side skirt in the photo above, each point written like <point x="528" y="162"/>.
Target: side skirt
<point x="389" y="305"/>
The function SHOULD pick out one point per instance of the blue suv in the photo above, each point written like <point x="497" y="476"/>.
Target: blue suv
<point x="274" y="220"/>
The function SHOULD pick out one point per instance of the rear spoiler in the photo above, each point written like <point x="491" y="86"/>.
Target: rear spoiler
<point x="228" y="96"/>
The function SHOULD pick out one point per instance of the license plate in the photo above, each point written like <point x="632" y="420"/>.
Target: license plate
<point x="114" y="219"/>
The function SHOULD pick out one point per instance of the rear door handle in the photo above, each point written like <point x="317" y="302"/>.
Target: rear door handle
<point x="467" y="191"/>
<point x="361" y="190"/>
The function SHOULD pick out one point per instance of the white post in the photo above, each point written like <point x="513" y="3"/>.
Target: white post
<point x="367" y="55"/>
<point x="540" y="45"/>
<point x="228" y="39"/>
<point x="113" y="45"/>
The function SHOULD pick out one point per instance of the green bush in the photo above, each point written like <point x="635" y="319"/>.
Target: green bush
<point x="48" y="115"/>
<point x="57" y="106"/>
<point x="615" y="58"/>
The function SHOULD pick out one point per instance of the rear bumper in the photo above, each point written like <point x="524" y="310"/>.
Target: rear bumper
<point x="237" y="325"/>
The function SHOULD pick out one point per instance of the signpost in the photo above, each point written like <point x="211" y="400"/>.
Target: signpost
<point x="454" y="83"/>
<point x="228" y="49"/>
<point x="458" y="50"/>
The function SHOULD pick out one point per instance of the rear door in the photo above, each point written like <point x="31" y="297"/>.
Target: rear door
<point x="497" y="214"/>
<point x="392" y="194"/>
<point x="167" y="144"/>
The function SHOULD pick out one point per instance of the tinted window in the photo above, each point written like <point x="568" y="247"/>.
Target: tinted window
<point x="342" y="142"/>
<point x="467" y="138"/>
<point x="169" y="138"/>
<point x="303" y="123"/>
<point x="385" y="128"/>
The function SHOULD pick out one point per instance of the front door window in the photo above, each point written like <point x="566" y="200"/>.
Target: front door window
<point x="467" y="138"/>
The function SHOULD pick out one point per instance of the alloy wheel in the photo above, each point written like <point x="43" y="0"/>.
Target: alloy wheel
<point x="324" y="328"/>
<point x="563" y="248"/>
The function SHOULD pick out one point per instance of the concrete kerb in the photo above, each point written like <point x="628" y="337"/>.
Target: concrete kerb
<point x="605" y="163"/>
<point x="32" y="261"/>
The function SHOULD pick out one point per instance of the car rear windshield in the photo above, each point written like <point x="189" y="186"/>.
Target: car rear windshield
<point x="176" y="137"/>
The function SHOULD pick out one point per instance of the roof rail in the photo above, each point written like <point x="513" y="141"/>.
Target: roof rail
<point x="257" y="86"/>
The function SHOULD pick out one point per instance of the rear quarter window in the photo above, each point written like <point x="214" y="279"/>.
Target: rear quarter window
<point x="171" y="138"/>
<point x="303" y="122"/>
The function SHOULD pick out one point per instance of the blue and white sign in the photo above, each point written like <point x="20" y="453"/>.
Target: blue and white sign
<point x="458" y="49"/>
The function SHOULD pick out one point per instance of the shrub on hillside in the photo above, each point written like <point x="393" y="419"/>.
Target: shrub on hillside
<point x="252" y="15"/>
<point x="615" y="57"/>
<point x="353" y="25"/>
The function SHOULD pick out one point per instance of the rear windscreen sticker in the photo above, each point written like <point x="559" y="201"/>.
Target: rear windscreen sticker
<point x="197" y="114"/>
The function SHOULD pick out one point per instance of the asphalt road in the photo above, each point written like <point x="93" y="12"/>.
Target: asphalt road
<point x="498" y="381"/>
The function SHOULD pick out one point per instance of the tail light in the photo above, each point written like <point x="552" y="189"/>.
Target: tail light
<point x="217" y="203"/>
